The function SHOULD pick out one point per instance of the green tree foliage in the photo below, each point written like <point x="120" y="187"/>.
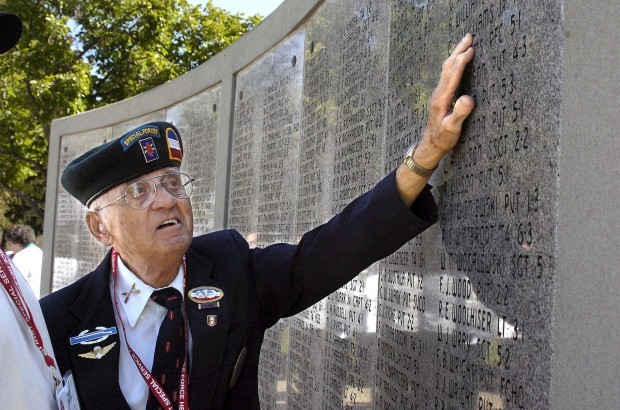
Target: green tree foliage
<point x="41" y="79"/>
<point x="76" y="55"/>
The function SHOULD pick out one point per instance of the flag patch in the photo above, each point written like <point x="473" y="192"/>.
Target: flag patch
<point x="174" y="146"/>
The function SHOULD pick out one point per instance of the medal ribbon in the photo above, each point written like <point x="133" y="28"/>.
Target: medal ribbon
<point x="154" y="386"/>
<point x="9" y="281"/>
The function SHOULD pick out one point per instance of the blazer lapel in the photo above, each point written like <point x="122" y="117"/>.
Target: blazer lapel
<point x="94" y="344"/>
<point x="95" y="359"/>
<point x="209" y="327"/>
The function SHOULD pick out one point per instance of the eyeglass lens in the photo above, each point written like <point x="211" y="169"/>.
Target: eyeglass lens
<point x="141" y="193"/>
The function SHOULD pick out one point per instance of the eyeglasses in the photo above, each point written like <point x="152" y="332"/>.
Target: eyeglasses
<point x="140" y="194"/>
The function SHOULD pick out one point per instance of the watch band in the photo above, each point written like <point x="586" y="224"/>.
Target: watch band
<point x="413" y="166"/>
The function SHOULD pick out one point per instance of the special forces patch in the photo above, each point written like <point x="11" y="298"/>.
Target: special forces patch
<point x="148" y="149"/>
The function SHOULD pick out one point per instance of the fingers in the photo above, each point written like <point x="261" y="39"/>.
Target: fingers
<point x="451" y="75"/>
<point x="462" y="47"/>
<point x="452" y="70"/>
<point x="463" y="107"/>
<point x="453" y="123"/>
<point x="445" y="122"/>
<point x="451" y="78"/>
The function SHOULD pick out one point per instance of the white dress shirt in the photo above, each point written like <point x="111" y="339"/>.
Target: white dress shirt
<point x="142" y="318"/>
<point x="28" y="261"/>
<point x="27" y="382"/>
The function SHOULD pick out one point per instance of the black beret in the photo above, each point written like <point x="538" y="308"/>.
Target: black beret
<point x="142" y="150"/>
<point x="10" y="31"/>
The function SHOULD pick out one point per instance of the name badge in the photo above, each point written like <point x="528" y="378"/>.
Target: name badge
<point x="66" y="393"/>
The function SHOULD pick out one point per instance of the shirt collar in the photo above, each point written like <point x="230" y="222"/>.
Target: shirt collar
<point x="137" y="301"/>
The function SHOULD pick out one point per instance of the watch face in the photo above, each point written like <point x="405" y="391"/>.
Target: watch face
<point x="409" y="151"/>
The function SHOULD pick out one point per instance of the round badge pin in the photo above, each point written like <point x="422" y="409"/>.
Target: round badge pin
<point x="205" y="294"/>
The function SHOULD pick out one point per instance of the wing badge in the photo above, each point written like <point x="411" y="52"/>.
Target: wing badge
<point x="98" y="352"/>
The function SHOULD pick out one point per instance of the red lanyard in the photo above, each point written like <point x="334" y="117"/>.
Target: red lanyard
<point x="154" y="386"/>
<point x="9" y="281"/>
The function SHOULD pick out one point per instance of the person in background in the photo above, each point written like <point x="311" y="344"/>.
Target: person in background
<point x="172" y="321"/>
<point x="30" y="374"/>
<point x="4" y="248"/>
<point x="28" y="257"/>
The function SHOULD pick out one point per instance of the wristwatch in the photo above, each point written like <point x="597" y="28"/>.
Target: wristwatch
<point x="413" y="166"/>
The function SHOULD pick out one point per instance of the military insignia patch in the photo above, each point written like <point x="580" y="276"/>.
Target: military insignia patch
<point x="146" y="131"/>
<point x="148" y="149"/>
<point x="208" y="305"/>
<point x="89" y="338"/>
<point x="130" y="292"/>
<point x="98" y="352"/>
<point x="174" y="146"/>
<point x="205" y="294"/>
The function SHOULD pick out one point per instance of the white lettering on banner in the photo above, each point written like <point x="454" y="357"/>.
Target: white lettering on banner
<point x="140" y="366"/>
<point x="160" y="392"/>
<point x="182" y="392"/>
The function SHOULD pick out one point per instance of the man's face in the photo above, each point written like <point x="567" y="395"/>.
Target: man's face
<point x="163" y="229"/>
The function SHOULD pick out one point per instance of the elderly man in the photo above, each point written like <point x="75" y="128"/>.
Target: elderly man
<point x="168" y="320"/>
<point x="26" y="352"/>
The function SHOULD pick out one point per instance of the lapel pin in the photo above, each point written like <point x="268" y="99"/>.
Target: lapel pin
<point x="208" y="305"/>
<point x="97" y="336"/>
<point x="132" y="290"/>
<point x="98" y="352"/>
<point x="206" y="295"/>
<point x="212" y="320"/>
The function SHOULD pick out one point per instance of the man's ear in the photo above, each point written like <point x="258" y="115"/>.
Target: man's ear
<point x="97" y="229"/>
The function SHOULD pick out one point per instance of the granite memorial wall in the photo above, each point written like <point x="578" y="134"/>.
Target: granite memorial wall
<point x="461" y="317"/>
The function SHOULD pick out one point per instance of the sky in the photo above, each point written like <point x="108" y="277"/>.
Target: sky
<point x="247" y="7"/>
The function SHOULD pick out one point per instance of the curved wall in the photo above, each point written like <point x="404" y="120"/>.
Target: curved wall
<point x="313" y="107"/>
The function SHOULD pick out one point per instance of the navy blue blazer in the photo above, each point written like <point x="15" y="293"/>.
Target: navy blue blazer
<point x="260" y="287"/>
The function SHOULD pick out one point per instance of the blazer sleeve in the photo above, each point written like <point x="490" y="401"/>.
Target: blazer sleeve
<point x="291" y="278"/>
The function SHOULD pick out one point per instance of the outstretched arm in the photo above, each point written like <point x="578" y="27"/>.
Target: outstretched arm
<point x="443" y="128"/>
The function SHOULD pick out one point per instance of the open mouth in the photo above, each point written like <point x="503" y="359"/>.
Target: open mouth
<point x="168" y="223"/>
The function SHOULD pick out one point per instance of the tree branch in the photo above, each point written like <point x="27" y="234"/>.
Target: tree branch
<point x="40" y="213"/>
